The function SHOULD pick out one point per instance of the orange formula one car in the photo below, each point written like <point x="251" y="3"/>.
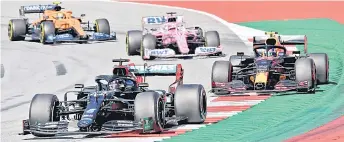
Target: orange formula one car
<point x="57" y="25"/>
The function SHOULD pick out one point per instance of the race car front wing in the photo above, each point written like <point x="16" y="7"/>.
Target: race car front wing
<point x="70" y="38"/>
<point x="239" y="87"/>
<point x="60" y="128"/>
<point x="169" y="53"/>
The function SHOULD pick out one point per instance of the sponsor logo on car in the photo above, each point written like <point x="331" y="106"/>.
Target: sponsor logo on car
<point x="207" y="49"/>
<point x="87" y="116"/>
<point x="38" y="7"/>
<point x="155" y="20"/>
<point x="159" y="52"/>
<point x="91" y="110"/>
<point x="64" y="36"/>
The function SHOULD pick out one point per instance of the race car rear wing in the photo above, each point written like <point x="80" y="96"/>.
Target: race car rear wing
<point x="159" y="70"/>
<point x="153" y="20"/>
<point x="35" y="9"/>
<point x="158" y="20"/>
<point x="39" y="8"/>
<point x="283" y="40"/>
<point x="154" y="70"/>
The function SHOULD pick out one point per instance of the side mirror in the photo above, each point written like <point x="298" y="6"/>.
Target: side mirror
<point x="79" y="86"/>
<point x="21" y="12"/>
<point x="296" y="52"/>
<point x="240" y="54"/>
<point x="143" y="85"/>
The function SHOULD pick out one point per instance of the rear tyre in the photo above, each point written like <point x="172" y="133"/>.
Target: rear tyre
<point x="190" y="100"/>
<point x="150" y="104"/>
<point x="236" y="60"/>
<point x="305" y="71"/>
<point x="212" y="39"/>
<point x="322" y="66"/>
<point x="17" y="29"/>
<point x="221" y="73"/>
<point x="102" y="26"/>
<point x="148" y="42"/>
<point x="133" y="42"/>
<point x="42" y="110"/>
<point x="47" y="31"/>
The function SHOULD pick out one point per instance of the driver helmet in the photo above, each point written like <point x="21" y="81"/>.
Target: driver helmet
<point x="116" y="85"/>
<point x="272" y="52"/>
<point x="60" y="16"/>
<point x="279" y="52"/>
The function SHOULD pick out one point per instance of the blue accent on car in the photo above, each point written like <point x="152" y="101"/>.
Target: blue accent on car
<point x="90" y="113"/>
<point x="263" y="64"/>
<point x="64" y="37"/>
<point x="102" y="36"/>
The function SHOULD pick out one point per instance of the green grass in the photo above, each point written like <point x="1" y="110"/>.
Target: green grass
<point x="284" y="116"/>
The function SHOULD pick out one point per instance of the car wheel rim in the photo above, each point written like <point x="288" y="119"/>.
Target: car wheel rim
<point x="10" y="30"/>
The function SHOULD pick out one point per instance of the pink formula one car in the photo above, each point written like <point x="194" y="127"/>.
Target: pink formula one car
<point x="167" y="37"/>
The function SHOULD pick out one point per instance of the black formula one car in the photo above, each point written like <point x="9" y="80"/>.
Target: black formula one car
<point x="269" y="71"/>
<point x="119" y="104"/>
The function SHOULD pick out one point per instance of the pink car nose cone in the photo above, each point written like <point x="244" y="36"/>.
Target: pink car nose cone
<point x="183" y="49"/>
<point x="182" y="44"/>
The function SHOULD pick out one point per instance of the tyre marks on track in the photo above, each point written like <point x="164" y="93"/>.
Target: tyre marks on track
<point x="2" y="71"/>
<point x="60" y="68"/>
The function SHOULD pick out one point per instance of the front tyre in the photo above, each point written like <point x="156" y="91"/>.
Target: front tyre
<point x="221" y="73"/>
<point x="148" y="42"/>
<point x="190" y="100"/>
<point x="43" y="109"/>
<point x="305" y="75"/>
<point x="47" y="32"/>
<point x="102" y="26"/>
<point x="150" y="104"/>
<point x="133" y="42"/>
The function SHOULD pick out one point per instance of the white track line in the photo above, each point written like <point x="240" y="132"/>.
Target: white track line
<point x="235" y="103"/>
<point x="222" y="114"/>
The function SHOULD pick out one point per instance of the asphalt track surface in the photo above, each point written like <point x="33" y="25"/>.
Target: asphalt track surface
<point x="35" y="68"/>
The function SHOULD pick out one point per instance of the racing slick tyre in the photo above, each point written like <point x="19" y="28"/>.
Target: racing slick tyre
<point x="42" y="110"/>
<point x="212" y="39"/>
<point x="236" y="60"/>
<point x="190" y="101"/>
<point x="322" y="67"/>
<point x="221" y="73"/>
<point x="47" y="29"/>
<point x="17" y="29"/>
<point x="102" y="26"/>
<point x="148" y="42"/>
<point x="305" y="71"/>
<point x="150" y="104"/>
<point x="133" y="42"/>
